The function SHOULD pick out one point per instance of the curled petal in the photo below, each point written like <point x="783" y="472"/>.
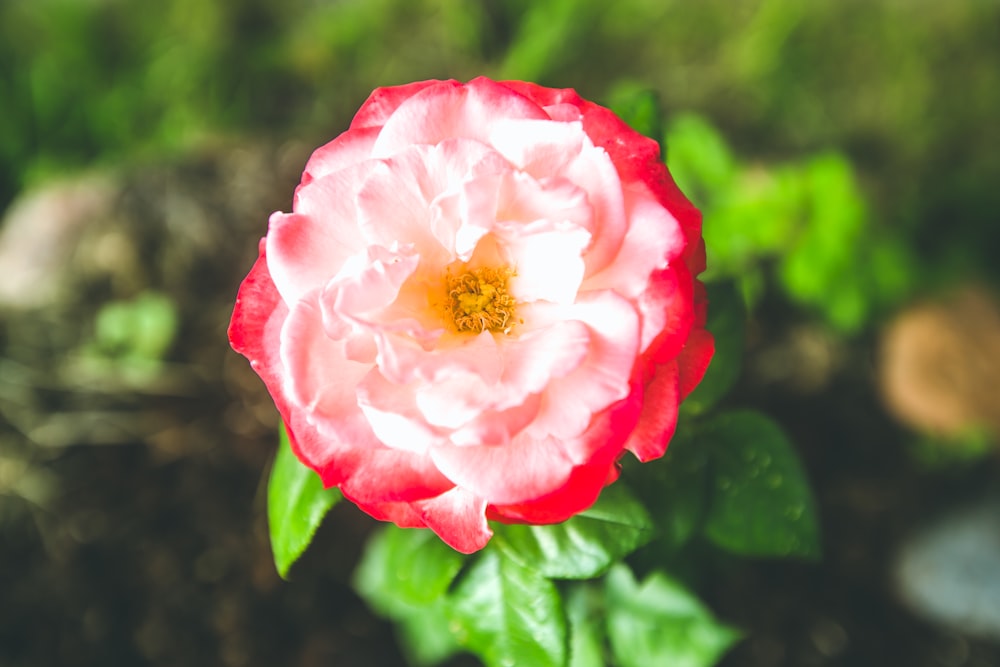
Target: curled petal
<point x="392" y="411"/>
<point x="366" y="285"/>
<point x="401" y="513"/>
<point x="658" y="418"/>
<point x="458" y="517"/>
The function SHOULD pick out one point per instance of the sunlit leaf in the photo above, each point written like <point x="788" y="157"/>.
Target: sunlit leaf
<point x="659" y="622"/>
<point x="585" y="545"/>
<point x="425" y="634"/>
<point x="699" y="158"/>
<point x="584" y="605"/>
<point x="405" y="567"/>
<point x="404" y="575"/>
<point x="296" y="505"/>
<point x="509" y="614"/>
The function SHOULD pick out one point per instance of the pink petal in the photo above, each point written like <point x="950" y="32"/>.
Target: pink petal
<point x="497" y="427"/>
<point x="346" y="150"/>
<point x="459" y="518"/>
<point x="367" y="284"/>
<point x="667" y="309"/>
<point x="401" y="200"/>
<point x="525" y="468"/>
<point x="547" y="148"/>
<point x="306" y="248"/>
<point x="403" y="360"/>
<point x="449" y="110"/>
<point x="653" y="238"/>
<point x="392" y="411"/>
<point x="319" y="384"/>
<point x="403" y="514"/>
<point x="255" y="327"/>
<point x="384" y="101"/>
<point x="391" y="475"/>
<point x="255" y="331"/>
<point x="532" y="359"/>
<point x="603" y="377"/>
<point x="545" y="96"/>
<point x="579" y="492"/>
<point x="604" y="438"/>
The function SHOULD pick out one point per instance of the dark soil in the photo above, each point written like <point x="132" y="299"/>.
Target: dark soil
<point x="132" y="527"/>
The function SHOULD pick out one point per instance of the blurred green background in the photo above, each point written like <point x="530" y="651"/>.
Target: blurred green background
<point x="901" y="96"/>
<point x="845" y="153"/>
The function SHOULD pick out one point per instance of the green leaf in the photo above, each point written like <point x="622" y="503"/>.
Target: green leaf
<point x="699" y="158"/>
<point x="820" y="268"/>
<point x="761" y="503"/>
<point x="404" y="574"/>
<point x="585" y="545"/>
<point x="405" y="567"/>
<point x="509" y="614"/>
<point x="675" y="490"/>
<point x="142" y="328"/>
<point x="425" y="635"/>
<point x="586" y="635"/>
<point x="727" y="323"/>
<point x="661" y="623"/>
<point x="296" y="505"/>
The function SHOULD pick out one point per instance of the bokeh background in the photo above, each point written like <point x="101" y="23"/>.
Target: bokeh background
<point x="846" y="155"/>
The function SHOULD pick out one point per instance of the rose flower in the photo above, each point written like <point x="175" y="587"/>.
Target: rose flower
<point x="485" y="293"/>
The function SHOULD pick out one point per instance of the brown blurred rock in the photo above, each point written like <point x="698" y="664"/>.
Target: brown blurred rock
<point x="40" y="232"/>
<point x="940" y="364"/>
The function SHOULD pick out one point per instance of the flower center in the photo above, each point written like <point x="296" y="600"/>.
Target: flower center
<point x="478" y="300"/>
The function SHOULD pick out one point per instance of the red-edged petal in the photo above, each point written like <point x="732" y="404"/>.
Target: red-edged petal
<point x="693" y="361"/>
<point x="346" y="150"/>
<point x="523" y="469"/>
<point x="257" y="317"/>
<point x="384" y="101"/>
<point x="580" y="491"/>
<point x="667" y="309"/>
<point x="403" y="514"/>
<point x="307" y="248"/>
<point x="390" y="475"/>
<point x="458" y="517"/>
<point x="658" y="417"/>
<point x="448" y="110"/>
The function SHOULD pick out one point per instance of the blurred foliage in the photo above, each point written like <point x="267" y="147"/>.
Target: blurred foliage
<point x="810" y="217"/>
<point x="907" y="95"/>
<point x="872" y="126"/>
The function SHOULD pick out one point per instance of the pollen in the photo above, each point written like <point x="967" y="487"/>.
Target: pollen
<point x="478" y="300"/>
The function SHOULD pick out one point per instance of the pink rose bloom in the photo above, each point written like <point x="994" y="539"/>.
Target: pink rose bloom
<point x="483" y="297"/>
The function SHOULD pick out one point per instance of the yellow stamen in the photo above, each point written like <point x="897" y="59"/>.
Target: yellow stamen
<point x="478" y="300"/>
